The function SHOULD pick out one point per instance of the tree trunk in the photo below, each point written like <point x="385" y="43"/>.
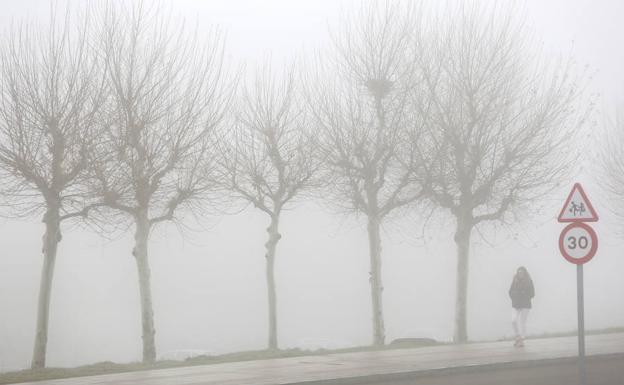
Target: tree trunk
<point x="271" y="247"/>
<point x="51" y="239"/>
<point x="462" y="240"/>
<point x="374" y="239"/>
<point x="147" y="313"/>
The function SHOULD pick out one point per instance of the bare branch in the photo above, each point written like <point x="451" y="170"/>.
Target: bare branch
<point x="504" y="118"/>
<point x="360" y="96"/>
<point x="50" y="103"/>
<point x="169" y="93"/>
<point x="270" y="157"/>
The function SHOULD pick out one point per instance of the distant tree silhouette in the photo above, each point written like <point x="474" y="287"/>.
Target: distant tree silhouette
<point x="51" y="93"/>
<point x="360" y="92"/>
<point x="168" y="94"/>
<point x="270" y="158"/>
<point x="503" y="118"/>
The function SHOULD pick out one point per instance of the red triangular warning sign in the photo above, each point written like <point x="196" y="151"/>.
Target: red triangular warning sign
<point x="577" y="207"/>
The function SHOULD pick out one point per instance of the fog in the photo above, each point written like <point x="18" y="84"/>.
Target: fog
<point x="209" y="284"/>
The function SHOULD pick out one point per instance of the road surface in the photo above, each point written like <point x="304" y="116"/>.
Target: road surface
<point x="607" y="370"/>
<point x="393" y="362"/>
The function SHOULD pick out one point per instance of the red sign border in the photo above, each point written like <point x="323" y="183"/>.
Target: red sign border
<point x="594" y="217"/>
<point x="592" y="251"/>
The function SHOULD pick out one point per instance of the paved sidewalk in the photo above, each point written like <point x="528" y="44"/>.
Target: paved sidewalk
<point x="348" y="365"/>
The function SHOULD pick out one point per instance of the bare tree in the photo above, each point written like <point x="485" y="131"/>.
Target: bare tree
<point x="168" y="94"/>
<point x="50" y="94"/>
<point x="360" y="94"/>
<point x="504" y="118"/>
<point x="611" y="166"/>
<point x="270" y="159"/>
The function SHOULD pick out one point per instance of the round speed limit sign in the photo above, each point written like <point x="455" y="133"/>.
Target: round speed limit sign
<point x="578" y="243"/>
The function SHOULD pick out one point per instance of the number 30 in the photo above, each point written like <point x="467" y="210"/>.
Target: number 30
<point x="582" y="242"/>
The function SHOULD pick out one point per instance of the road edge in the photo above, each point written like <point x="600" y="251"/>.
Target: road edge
<point x="418" y="374"/>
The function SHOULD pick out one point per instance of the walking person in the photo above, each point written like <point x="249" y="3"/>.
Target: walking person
<point x="521" y="293"/>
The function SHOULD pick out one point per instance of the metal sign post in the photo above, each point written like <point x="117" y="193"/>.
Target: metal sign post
<point x="578" y="244"/>
<point x="581" y="323"/>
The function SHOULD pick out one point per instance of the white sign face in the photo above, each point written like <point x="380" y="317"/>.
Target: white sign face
<point x="578" y="243"/>
<point x="577" y="207"/>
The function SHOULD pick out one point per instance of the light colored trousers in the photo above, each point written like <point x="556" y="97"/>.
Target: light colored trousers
<point x="519" y="320"/>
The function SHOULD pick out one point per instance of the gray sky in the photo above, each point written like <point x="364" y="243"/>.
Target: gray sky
<point x="209" y="288"/>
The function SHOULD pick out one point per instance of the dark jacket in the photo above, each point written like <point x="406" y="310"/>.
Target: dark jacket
<point x="521" y="292"/>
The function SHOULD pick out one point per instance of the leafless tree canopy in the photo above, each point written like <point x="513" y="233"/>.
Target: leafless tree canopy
<point x="168" y="93"/>
<point x="131" y="117"/>
<point x="611" y="167"/>
<point x="360" y="93"/>
<point x="271" y="155"/>
<point x="503" y="121"/>
<point x="498" y="112"/>
<point x="270" y="158"/>
<point x="51" y="91"/>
